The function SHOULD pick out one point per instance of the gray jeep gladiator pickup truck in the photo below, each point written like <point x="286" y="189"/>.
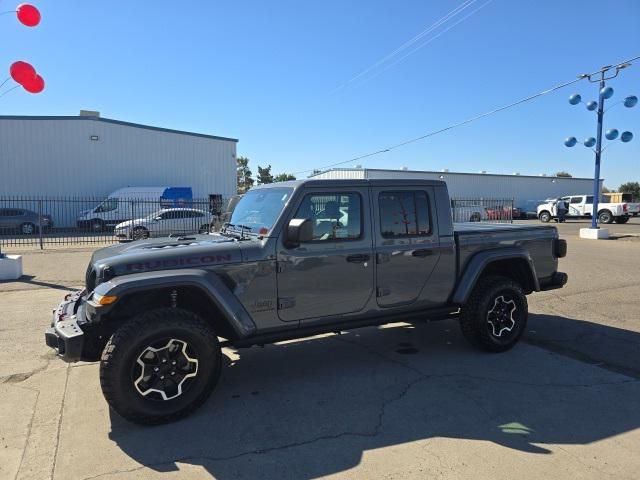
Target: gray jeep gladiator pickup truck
<point x="295" y="259"/>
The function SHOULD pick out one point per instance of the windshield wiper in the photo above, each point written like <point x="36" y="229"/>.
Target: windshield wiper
<point x="242" y="228"/>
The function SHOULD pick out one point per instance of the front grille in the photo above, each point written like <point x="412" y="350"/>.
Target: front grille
<point x="90" y="278"/>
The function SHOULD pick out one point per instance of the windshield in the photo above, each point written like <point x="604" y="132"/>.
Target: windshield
<point x="108" y="205"/>
<point x="259" y="209"/>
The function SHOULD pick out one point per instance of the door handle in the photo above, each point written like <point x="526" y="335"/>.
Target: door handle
<point x="357" y="258"/>
<point x="422" y="253"/>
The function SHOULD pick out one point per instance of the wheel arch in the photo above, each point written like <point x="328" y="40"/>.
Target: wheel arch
<point x="514" y="263"/>
<point x="198" y="291"/>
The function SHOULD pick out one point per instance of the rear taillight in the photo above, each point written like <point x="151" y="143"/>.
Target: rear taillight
<point x="560" y="248"/>
<point x="625" y="207"/>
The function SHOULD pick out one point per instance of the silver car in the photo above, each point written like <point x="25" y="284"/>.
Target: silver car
<point x="23" y="221"/>
<point x="165" y="222"/>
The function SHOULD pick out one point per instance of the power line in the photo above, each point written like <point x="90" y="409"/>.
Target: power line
<point x="388" y="66"/>
<point x="469" y="120"/>
<point x="408" y="43"/>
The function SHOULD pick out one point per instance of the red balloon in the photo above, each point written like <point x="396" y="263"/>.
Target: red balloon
<point x="35" y="85"/>
<point x="22" y="72"/>
<point x="28" y="14"/>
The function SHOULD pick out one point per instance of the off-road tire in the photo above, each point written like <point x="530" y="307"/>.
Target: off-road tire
<point x="474" y="314"/>
<point x="119" y="357"/>
<point x="621" y="219"/>
<point x="605" y="216"/>
<point x="545" y="217"/>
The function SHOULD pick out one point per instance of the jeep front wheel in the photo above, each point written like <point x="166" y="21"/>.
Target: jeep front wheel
<point x="160" y="366"/>
<point x="495" y="316"/>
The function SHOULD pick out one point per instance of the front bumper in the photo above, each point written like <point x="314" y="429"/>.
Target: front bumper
<point x="65" y="334"/>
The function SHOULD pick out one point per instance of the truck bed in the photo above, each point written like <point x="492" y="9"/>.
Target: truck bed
<point x="471" y="238"/>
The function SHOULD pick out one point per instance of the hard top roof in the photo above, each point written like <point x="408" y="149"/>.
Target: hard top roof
<point x="374" y="182"/>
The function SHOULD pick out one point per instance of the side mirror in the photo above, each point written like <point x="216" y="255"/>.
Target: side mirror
<point x="299" y="230"/>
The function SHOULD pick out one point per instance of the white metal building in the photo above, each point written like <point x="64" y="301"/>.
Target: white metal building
<point x="526" y="191"/>
<point x="92" y="156"/>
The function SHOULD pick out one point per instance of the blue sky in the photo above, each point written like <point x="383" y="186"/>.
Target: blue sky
<point x="267" y="73"/>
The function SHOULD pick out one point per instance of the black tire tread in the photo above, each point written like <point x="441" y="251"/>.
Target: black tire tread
<point x="165" y="317"/>
<point x="477" y="336"/>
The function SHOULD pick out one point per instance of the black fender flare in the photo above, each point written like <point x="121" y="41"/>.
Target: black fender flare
<point x="209" y="283"/>
<point x="480" y="261"/>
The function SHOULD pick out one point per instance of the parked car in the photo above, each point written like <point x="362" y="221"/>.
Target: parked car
<point x="132" y="202"/>
<point x="581" y="206"/>
<point x="165" y="222"/>
<point x="504" y="213"/>
<point x="21" y="220"/>
<point x="463" y="212"/>
<point x="296" y="259"/>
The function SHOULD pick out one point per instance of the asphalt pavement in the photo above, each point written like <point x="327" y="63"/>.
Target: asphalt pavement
<point x="399" y="401"/>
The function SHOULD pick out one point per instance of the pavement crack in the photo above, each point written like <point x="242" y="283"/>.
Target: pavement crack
<point x="60" y="414"/>
<point x="375" y="430"/>
<point x="29" y="429"/>
<point x="21" y="377"/>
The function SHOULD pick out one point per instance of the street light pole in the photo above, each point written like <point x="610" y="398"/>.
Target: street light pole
<point x="596" y="176"/>
<point x="611" y="134"/>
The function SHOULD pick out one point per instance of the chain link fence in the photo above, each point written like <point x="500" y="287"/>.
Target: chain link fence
<point x="495" y="210"/>
<point x="42" y="221"/>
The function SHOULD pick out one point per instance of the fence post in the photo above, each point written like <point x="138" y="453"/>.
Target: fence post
<point x="511" y="210"/>
<point x="40" y="222"/>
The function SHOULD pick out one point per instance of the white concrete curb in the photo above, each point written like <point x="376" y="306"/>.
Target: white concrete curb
<point x="10" y="267"/>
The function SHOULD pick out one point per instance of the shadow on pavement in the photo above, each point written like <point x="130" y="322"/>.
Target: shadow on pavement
<point x="29" y="280"/>
<point x="314" y="407"/>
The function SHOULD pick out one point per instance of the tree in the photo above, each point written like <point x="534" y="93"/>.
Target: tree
<point x="605" y="189"/>
<point x="245" y="182"/>
<point x="264" y="175"/>
<point x="564" y="174"/>
<point x="283" y="177"/>
<point x="631" y="187"/>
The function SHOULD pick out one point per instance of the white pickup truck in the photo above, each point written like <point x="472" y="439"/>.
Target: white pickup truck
<point x="581" y="206"/>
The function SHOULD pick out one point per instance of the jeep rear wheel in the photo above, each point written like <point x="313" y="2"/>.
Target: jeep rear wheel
<point x="160" y="366"/>
<point x="495" y="316"/>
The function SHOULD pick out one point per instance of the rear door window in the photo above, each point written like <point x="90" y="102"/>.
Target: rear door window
<point x="404" y="214"/>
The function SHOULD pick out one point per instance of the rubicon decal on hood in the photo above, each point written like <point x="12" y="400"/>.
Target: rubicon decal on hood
<point x="177" y="262"/>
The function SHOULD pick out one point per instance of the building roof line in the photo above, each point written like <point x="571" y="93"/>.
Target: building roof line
<point x="448" y="173"/>
<point x="116" y="122"/>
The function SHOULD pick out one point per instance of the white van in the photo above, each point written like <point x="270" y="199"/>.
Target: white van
<point x="133" y="202"/>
